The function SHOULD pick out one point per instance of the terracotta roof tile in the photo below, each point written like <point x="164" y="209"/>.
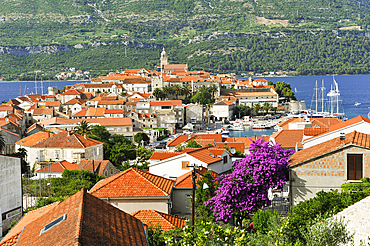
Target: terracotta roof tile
<point x="204" y="154"/>
<point x="169" y="102"/>
<point x="353" y="138"/>
<point x="289" y="138"/>
<point x="43" y="111"/>
<point x="67" y="140"/>
<point x="73" y="101"/>
<point x="26" y="219"/>
<point x="182" y="138"/>
<point x="246" y="140"/>
<point x="58" y="167"/>
<point x="72" y="92"/>
<point x="92" y="165"/>
<point x="236" y="145"/>
<point x="89" y="221"/>
<point x="313" y="131"/>
<point x="185" y="180"/>
<point x="110" y="102"/>
<point x="125" y="121"/>
<point x="133" y="183"/>
<point x="35" y="138"/>
<point x="154" y="218"/>
<point x="159" y="155"/>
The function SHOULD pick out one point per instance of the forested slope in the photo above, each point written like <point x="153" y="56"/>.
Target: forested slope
<point x="306" y="36"/>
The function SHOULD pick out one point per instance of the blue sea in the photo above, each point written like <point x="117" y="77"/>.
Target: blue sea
<point x="10" y="90"/>
<point x="353" y="88"/>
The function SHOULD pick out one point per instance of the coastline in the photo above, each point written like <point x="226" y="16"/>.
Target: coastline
<point x="32" y="81"/>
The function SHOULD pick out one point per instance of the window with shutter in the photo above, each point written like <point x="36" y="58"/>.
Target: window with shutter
<point x="354" y="166"/>
<point x="185" y="165"/>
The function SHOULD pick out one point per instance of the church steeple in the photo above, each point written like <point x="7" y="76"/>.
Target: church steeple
<point x="164" y="60"/>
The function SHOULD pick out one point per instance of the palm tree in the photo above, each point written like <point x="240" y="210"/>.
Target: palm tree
<point x="266" y="107"/>
<point x="167" y="91"/>
<point x="256" y="108"/>
<point x="158" y="93"/>
<point x="186" y="90"/>
<point x="213" y="89"/>
<point x="83" y="128"/>
<point x="177" y="90"/>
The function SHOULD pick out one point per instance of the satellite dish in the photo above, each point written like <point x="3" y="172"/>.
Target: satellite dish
<point x="233" y="150"/>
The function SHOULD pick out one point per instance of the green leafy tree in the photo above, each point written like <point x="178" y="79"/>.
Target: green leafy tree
<point x="256" y="108"/>
<point x="186" y="90"/>
<point x="213" y="89"/>
<point x="242" y="110"/>
<point x="266" y="107"/>
<point x="177" y="90"/>
<point x="99" y="133"/>
<point x="158" y="93"/>
<point x="83" y="128"/>
<point x="193" y="144"/>
<point x="144" y="153"/>
<point x="120" y="149"/>
<point x="204" y="194"/>
<point x="202" y="97"/>
<point x="141" y="136"/>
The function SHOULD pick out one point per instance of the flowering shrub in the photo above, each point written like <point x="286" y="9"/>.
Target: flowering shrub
<point x="246" y="188"/>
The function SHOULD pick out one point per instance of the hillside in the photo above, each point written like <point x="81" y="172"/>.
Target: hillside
<point x="220" y="36"/>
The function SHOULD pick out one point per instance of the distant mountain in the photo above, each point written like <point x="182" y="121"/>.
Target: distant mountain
<point x="208" y="34"/>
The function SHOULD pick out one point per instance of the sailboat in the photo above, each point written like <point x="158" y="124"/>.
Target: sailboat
<point x="357" y="104"/>
<point x="329" y="107"/>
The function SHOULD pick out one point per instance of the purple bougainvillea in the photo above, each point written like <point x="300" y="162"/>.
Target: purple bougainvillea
<point x="246" y="188"/>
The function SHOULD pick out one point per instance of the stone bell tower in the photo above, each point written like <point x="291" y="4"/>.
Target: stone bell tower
<point x="164" y="59"/>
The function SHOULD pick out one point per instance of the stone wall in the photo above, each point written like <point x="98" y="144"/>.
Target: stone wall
<point x="326" y="173"/>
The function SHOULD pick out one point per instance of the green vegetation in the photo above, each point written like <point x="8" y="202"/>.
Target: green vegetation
<point x="141" y="136"/>
<point x="308" y="37"/>
<point x="58" y="189"/>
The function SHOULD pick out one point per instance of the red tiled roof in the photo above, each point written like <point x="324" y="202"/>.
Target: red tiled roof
<point x="159" y="155"/>
<point x="154" y="218"/>
<point x="72" y="92"/>
<point x="35" y="138"/>
<point x="89" y="221"/>
<point x="43" y="111"/>
<point x="353" y="138"/>
<point x="73" y="101"/>
<point x="288" y="138"/>
<point x="92" y="165"/>
<point x="67" y="140"/>
<point x="58" y="167"/>
<point x="185" y="180"/>
<point x="26" y="219"/>
<point x="50" y="103"/>
<point x="182" y="138"/>
<point x="205" y="142"/>
<point x="236" y="145"/>
<point x="133" y="183"/>
<point x="246" y="140"/>
<point x="206" y="154"/>
<point x="113" y="111"/>
<point x="95" y="112"/>
<point x="110" y="102"/>
<point x="313" y="131"/>
<point x="163" y="103"/>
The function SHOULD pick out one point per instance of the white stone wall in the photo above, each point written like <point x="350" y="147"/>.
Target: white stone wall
<point x="10" y="188"/>
<point x="131" y="205"/>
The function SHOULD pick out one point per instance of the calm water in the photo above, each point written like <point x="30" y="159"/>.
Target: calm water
<point x="353" y="88"/>
<point x="9" y="90"/>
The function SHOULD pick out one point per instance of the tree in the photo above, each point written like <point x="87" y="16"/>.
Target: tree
<point x="99" y="133"/>
<point x="256" y="108"/>
<point x="22" y="153"/>
<point x="213" y="89"/>
<point x="120" y="149"/>
<point x="193" y="144"/>
<point x="141" y="136"/>
<point x="167" y="91"/>
<point x="2" y="142"/>
<point x="245" y="189"/>
<point x="242" y="110"/>
<point x="203" y="97"/>
<point x="83" y="128"/>
<point x="158" y="93"/>
<point x="203" y="195"/>
<point x="266" y="107"/>
<point x="186" y="90"/>
<point x="177" y="90"/>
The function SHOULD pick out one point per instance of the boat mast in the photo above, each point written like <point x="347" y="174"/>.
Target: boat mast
<point x="36" y="83"/>
<point x="322" y="96"/>
<point x="316" y="94"/>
